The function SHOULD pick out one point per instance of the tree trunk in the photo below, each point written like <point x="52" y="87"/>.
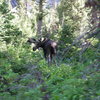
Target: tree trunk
<point x="39" y="19"/>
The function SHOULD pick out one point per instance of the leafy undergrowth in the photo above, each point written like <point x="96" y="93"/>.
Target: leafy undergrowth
<point x="63" y="82"/>
<point x="25" y="75"/>
<point x="72" y="82"/>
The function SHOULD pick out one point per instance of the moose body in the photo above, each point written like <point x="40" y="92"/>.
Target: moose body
<point x="49" y="47"/>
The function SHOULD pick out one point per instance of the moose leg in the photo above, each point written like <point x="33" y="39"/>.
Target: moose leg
<point x="45" y="55"/>
<point x="51" y="57"/>
<point x="49" y="60"/>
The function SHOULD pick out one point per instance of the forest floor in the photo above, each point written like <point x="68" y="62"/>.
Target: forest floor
<point x="33" y="72"/>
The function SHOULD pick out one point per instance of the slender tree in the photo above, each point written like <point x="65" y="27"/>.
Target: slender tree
<point x="40" y="18"/>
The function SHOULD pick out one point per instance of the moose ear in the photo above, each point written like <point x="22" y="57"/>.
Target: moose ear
<point x="45" y="39"/>
<point x="31" y="40"/>
<point x="34" y="39"/>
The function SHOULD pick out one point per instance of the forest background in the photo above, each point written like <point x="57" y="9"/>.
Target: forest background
<point x="74" y="25"/>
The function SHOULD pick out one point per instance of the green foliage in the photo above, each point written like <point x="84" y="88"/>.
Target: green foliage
<point x="65" y="82"/>
<point x="24" y="73"/>
<point x="8" y="32"/>
<point x="4" y="8"/>
<point x="66" y="36"/>
<point x="66" y="39"/>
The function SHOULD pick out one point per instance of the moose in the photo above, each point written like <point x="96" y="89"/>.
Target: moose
<point x="49" y="47"/>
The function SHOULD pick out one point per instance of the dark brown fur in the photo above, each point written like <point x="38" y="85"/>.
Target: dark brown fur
<point x="49" y="47"/>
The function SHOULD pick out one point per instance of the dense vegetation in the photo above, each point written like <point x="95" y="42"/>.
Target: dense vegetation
<point x="74" y="25"/>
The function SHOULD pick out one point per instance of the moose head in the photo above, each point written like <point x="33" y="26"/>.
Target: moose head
<point x="49" y="47"/>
